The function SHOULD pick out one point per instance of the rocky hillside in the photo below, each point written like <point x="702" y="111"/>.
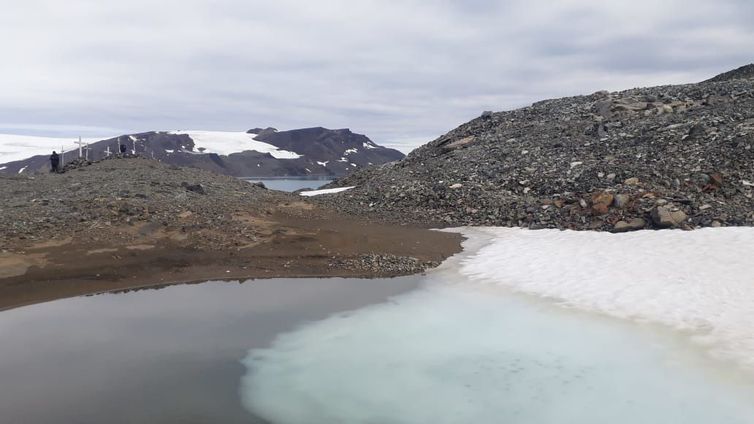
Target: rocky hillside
<point x="97" y="201"/>
<point x="256" y="153"/>
<point x="669" y="156"/>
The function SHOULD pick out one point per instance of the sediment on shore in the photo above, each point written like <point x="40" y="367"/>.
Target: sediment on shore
<point x="126" y="223"/>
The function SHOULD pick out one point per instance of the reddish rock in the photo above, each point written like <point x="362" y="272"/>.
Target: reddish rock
<point x="601" y="203"/>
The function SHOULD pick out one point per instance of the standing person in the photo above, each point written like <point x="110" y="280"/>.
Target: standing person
<point x="54" y="162"/>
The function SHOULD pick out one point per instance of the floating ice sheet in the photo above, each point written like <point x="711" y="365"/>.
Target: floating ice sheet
<point x="454" y="356"/>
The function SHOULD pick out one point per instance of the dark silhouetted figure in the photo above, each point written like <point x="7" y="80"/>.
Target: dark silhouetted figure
<point x="55" y="162"/>
<point x="122" y="149"/>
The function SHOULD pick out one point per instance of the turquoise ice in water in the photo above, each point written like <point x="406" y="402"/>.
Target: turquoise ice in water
<point x="452" y="355"/>
<point x="459" y="352"/>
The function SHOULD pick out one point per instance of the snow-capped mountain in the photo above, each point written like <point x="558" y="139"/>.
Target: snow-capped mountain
<point x="255" y="153"/>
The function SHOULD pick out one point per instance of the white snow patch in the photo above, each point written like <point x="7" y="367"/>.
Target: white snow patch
<point x="226" y="143"/>
<point x="308" y="170"/>
<point x="3" y="167"/>
<point x="369" y="146"/>
<point x="342" y="160"/>
<point x="698" y="281"/>
<point x="323" y="163"/>
<point x="133" y="138"/>
<point x="22" y="169"/>
<point x="324" y="191"/>
<point x="349" y="151"/>
<point x="19" y="147"/>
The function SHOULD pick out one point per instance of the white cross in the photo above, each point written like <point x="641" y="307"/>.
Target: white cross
<point x="81" y="145"/>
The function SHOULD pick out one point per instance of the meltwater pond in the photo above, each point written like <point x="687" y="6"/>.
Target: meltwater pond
<point x="442" y="348"/>
<point x="157" y="356"/>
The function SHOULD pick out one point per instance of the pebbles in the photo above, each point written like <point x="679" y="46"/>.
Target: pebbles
<point x="374" y="264"/>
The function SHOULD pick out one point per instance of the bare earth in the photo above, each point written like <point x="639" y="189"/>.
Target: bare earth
<point x="242" y="232"/>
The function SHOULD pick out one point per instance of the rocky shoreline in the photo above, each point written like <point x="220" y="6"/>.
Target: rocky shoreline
<point x="660" y="157"/>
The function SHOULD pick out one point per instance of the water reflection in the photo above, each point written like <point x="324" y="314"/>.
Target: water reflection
<point x="157" y="356"/>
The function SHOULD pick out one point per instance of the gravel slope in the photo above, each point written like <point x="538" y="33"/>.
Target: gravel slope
<point x="669" y="156"/>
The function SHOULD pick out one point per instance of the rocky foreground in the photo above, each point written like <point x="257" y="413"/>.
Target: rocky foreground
<point x="131" y="222"/>
<point x="661" y="157"/>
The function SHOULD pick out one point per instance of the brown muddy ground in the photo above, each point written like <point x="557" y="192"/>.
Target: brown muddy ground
<point x="130" y="223"/>
<point x="293" y="245"/>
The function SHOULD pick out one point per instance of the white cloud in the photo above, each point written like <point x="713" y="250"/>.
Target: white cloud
<point x="391" y="69"/>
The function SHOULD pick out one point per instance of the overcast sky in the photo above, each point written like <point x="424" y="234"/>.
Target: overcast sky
<point x="402" y="72"/>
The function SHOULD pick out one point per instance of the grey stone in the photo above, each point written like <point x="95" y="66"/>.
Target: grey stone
<point x="632" y="225"/>
<point x="621" y="200"/>
<point x="664" y="217"/>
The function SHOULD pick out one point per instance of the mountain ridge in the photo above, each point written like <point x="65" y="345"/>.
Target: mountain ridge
<point x="316" y="151"/>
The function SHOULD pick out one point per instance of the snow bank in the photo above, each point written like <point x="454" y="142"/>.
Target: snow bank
<point x="697" y="281"/>
<point x="324" y="191"/>
<point x="226" y="143"/>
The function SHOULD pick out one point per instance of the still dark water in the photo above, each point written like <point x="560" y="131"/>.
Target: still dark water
<point x="291" y="184"/>
<point x="157" y="356"/>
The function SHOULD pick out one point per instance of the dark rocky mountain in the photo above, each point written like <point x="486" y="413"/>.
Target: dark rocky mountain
<point x="256" y="153"/>
<point x="669" y="156"/>
<point x="746" y="71"/>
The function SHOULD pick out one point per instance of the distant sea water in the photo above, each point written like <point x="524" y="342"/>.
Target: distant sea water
<point x="290" y="183"/>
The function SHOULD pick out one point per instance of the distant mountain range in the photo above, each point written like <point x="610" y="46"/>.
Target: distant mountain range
<point x="256" y="153"/>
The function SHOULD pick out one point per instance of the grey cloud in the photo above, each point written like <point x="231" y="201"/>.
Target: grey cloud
<point x="399" y="71"/>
